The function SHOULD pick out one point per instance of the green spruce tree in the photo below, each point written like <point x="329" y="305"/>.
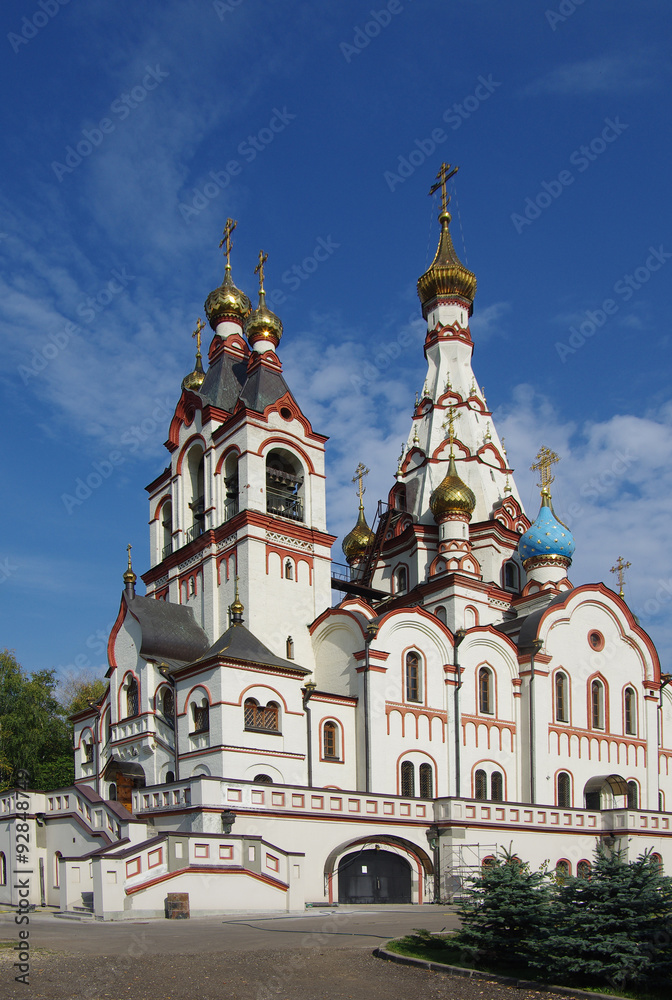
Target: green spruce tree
<point x="505" y="913"/>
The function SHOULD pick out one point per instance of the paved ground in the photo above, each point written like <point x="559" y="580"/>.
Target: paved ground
<point x="324" y="955"/>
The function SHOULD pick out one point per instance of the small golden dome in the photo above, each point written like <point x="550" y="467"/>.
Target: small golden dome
<point x="262" y="324"/>
<point x="194" y="380"/>
<point x="226" y="302"/>
<point x="446" y="275"/>
<point x="452" y="496"/>
<point x="360" y="538"/>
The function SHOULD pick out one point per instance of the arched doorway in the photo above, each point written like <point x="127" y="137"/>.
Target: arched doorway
<point x="374" y="876"/>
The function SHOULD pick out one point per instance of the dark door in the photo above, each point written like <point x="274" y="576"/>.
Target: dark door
<point x="374" y="877"/>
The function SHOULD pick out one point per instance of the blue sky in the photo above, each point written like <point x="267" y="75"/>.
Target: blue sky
<point x="325" y="121"/>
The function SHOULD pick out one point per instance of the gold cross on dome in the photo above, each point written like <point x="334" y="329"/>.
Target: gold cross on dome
<point x="259" y="269"/>
<point x="226" y="239"/>
<point x="444" y="175"/>
<point x="545" y="459"/>
<point x="358" y="478"/>
<point x="620" y="569"/>
<point x="453" y="415"/>
<point x="129" y="547"/>
<point x="200" y="325"/>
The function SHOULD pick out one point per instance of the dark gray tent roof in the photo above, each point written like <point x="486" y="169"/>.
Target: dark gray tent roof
<point x="169" y="631"/>
<point x="238" y="643"/>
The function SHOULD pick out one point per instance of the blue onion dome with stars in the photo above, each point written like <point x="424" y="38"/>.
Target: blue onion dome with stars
<point x="547" y="540"/>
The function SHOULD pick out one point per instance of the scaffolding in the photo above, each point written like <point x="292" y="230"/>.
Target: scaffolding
<point x="459" y="864"/>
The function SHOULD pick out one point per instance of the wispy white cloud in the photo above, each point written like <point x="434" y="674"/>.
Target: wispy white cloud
<point x="607" y="74"/>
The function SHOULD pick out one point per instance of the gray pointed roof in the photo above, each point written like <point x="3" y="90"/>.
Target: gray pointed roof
<point x="169" y="631"/>
<point x="238" y="643"/>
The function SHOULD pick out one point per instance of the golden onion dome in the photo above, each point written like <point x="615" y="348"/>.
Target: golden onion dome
<point x="452" y="496"/>
<point x="446" y="275"/>
<point x="360" y="538"/>
<point x="262" y="324"/>
<point x="194" y="380"/>
<point x="226" y="302"/>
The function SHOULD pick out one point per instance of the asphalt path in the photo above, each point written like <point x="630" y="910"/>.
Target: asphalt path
<point x="316" y="955"/>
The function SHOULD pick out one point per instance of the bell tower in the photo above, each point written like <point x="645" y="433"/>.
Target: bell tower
<point x="244" y="494"/>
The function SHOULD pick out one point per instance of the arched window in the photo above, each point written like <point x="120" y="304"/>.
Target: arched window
<point x="583" y="869"/>
<point x="168" y="704"/>
<point x="57" y="858"/>
<point x="488" y="862"/>
<point x="3" y="868"/>
<point x="108" y="727"/>
<point x="485" y="691"/>
<point x="413" y="686"/>
<point x="630" y="711"/>
<point x="399" y="497"/>
<point x="231" y="486"/>
<point x="166" y="529"/>
<point x="201" y="714"/>
<point x="400" y="580"/>
<point x="441" y="614"/>
<point x="196" y="466"/>
<point x="497" y="786"/>
<point x="330" y="740"/>
<point x="170" y="777"/>
<point x="263" y="779"/>
<point x="289" y="570"/>
<point x="597" y="705"/>
<point x="561" y="705"/>
<point x="112" y="792"/>
<point x="131" y="698"/>
<point x="510" y="575"/>
<point x="563" y="870"/>
<point x="284" y="485"/>
<point x="564" y="790"/>
<point x="633" y="795"/>
<point x="407" y="779"/>
<point x="659" y="861"/>
<point x="88" y="751"/>
<point x="262" y="717"/>
<point x="426" y="781"/>
<point x="480" y="785"/>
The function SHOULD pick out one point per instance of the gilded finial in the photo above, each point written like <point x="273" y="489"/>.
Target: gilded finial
<point x="129" y="575"/>
<point x="443" y="176"/>
<point x="620" y="569"/>
<point x="358" y="478"/>
<point x="200" y="325"/>
<point x="448" y="386"/>
<point x="488" y="436"/>
<point x="503" y="448"/>
<point x="545" y="459"/>
<point x="425" y="389"/>
<point x="473" y="388"/>
<point x="453" y="415"/>
<point x="401" y="456"/>
<point x="483" y="396"/>
<point x="417" y="400"/>
<point x="226" y="241"/>
<point x="237" y="608"/>
<point x="194" y="380"/>
<point x="507" y="484"/>
<point x="416" y="439"/>
<point x="259" y="269"/>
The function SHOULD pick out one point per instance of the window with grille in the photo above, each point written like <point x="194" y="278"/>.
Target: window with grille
<point x="131" y="698"/>
<point x="426" y="782"/>
<point x="88" y="752"/>
<point x="633" y="795"/>
<point x="597" y="705"/>
<point x="561" y="698"/>
<point x="562" y="870"/>
<point x="168" y="704"/>
<point x="201" y="718"/>
<point x="583" y="869"/>
<point x="630" y="712"/>
<point x="407" y="779"/>
<point x="497" y="786"/>
<point x="564" y="787"/>
<point x="330" y="740"/>
<point x="261" y="717"/>
<point x="412" y="677"/>
<point x="480" y="785"/>
<point x="485" y="691"/>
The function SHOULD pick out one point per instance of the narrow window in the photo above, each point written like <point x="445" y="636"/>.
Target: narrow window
<point x="407" y="779"/>
<point x="168" y="705"/>
<point x="564" y="790"/>
<point x="251" y="709"/>
<point x="170" y="777"/>
<point x="201" y="717"/>
<point x="630" y="712"/>
<point x="131" y="698"/>
<point x="583" y="869"/>
<point x="633" y="795"/>
<point x="480" y="785"/>
<point x="167" y="528"/>
<point x="561" y="698"/>
<point x="289" y="570"/>
<point x="400" y="581"/>
<point x="562" y="870"/>
<point x="426" y="781"/>
<point x="57" y="858"/>
<point x="3" y="869"/>
<point x="329" y="740"/>
<point x="88" y="752"/>
<point x="597" y="705"/>
<point x="484" y="691"/>
<point x="510" y="575"/>
<point x="441" y="614"/>
<point x="412" y="677"/>
<point x="497" y="786"/>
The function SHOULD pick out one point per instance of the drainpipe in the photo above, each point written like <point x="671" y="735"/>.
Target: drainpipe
<point x="164" y="670"/>
<point x="457" y="639"/>
<point x="536" y="646"/>
<point x="308" y="691"/>
<point x="97" y="743"/>
<point x="371" y="633"/>
<point x="665" y="680"/>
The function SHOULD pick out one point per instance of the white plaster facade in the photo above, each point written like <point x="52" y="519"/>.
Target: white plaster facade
<point x="252" y="752"/>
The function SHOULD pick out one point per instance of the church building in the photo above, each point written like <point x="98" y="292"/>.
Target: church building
<point x="263" y="744"/>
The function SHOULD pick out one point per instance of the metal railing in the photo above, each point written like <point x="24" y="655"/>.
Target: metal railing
<point x="284" y="504"/>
